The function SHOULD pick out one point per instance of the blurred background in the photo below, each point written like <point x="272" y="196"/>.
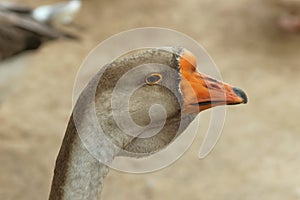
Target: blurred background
<point x="256" y="47"/>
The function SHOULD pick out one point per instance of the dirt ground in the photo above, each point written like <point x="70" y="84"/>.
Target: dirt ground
<point x="258" y="155"/>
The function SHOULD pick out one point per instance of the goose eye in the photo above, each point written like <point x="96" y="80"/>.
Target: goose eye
<point x="153" y="79"/>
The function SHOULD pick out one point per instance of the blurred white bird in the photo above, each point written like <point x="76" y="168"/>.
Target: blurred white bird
<point x="60" y="13"/>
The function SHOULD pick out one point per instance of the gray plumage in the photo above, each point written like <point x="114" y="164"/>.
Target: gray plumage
<point x="19" y="32"/>
<point x="79" y="173"/>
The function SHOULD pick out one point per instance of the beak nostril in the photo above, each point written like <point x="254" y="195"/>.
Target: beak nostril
<point x="214" y="86"/>
<point x="241" y="94"/>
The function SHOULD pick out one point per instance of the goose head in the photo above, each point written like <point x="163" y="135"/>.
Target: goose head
<point x="146" y="98"/>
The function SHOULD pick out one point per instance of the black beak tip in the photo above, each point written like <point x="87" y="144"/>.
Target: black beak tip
<point x="241" y="94"/>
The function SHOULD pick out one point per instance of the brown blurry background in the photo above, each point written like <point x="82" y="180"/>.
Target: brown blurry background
<point x="258" y="155"/>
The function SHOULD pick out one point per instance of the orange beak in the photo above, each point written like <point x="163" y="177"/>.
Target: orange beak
<point x="201" y="92"/>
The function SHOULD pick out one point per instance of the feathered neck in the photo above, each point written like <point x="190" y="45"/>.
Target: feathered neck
<point x="77" y="175"/>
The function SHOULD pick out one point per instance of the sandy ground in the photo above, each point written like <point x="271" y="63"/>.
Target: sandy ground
<point x="257" y="156"/>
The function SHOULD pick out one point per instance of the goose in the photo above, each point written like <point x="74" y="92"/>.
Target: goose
<point x="20" y="31"/>
<point x="179" y="88"/>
